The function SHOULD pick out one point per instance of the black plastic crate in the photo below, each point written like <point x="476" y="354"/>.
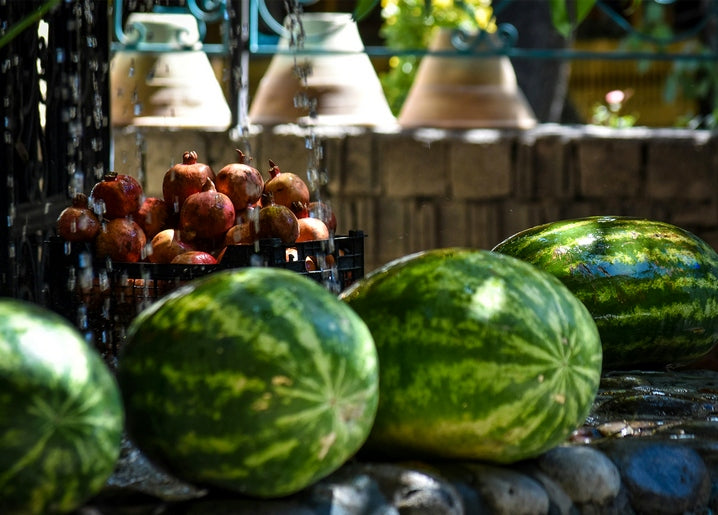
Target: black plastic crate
<point x="102" y="297"/>
<point x="315" y="259"/>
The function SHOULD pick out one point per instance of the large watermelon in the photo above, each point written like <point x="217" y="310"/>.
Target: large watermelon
<point x="482" y="356"/>
<point x="61" y="413"/>
<point x="652" y="287"/>
<point x="256" y="380"/>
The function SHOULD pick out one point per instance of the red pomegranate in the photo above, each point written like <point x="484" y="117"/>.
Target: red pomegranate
<point x="240" y="182"/>
<point x="153" y="216"/>
<point x="116" y="195"/>
<point x="78" y="222"/>
<point x="185" y="179"/>
<point x="206" y="215"/>
<point x="286" y="189"/>
<point x="121" y="239"/>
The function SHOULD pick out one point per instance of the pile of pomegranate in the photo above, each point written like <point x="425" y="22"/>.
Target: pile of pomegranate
<point x="199" y="215"/>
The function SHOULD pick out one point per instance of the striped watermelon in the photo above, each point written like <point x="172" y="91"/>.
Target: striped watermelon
<point x="256" y="380"/>
<point x="481" y="356"/>
<point x="61" y="414"/>
<point x="651" y="287"/>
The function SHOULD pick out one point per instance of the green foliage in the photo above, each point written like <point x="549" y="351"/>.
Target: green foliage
<point x="561" y="18"/>
<point x="409" y="25"/>
<point x="610" y="113"/>
<point x="690" y="79"/>
<point x="695" y="80"/>
<point x="408" y="28"/>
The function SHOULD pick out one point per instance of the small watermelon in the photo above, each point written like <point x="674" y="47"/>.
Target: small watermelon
<point x="255" y="380"/>
<point x="482" y="356"/>
<point x="651" y="287"/>
<point x="61" y="414"/>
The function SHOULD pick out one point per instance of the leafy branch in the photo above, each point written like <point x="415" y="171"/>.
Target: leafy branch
<point x="566" y="15"/>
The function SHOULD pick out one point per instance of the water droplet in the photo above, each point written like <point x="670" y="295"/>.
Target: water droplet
<point x="85" y="280"/>
<point x="82" y="321"/>
<point x="103" y="281"/>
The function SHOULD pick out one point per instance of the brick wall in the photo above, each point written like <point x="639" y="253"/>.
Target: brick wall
<point x="414" y="190"/>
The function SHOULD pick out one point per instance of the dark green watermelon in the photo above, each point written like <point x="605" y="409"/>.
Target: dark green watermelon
<point x="482" y="356"/>
<point x="256" y="380"/>
<point x="61" y="416"/>
<point x="651" y="287"/>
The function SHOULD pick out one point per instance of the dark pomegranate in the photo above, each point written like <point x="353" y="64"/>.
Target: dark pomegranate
<point x="78" y="222"/>
<point x="153" y="216"/>
<point x="117" y="195"/>
<point x="206" y="215"/>
<point x="185" y="179"/>
<point x="240" y="182"/>
<point x="121" y="239"/>
<point x="277" y="221"/>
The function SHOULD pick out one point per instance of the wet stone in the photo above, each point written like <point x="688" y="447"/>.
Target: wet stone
<point x="559" y="501"/>
<point x="663" y="478"/>
<point x="509" y="492"/>
<point x="464" y="481"/>
<point x="136" y="475"/>
<point x="350" y="492"/>
<point x="414" y="491"/>
<point x="584" y="473"/>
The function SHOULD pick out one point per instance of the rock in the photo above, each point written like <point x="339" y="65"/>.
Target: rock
<point x="349" y="492"/>
<point x="413" y="490"/>
<point x="135" y="474"/>
<point x="559" y="501"/>
<point x="585" y="474"/>
<point x="509" y="492"/>
<point x="663" y="478"/>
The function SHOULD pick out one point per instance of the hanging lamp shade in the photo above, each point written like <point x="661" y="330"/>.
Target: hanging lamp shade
<point x="465" y="92"/>
<point x="340" y="79"/>
<point x="164" y="79"/>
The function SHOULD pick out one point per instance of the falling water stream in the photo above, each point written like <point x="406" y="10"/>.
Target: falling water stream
<point x="317" y="176"/>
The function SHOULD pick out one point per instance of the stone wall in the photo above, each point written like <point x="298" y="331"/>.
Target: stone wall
<point x="415" y="190"/>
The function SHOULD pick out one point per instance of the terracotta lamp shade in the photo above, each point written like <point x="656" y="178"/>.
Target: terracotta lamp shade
<point x="465" y="92"/>
<point x="172" y="88"/>
<point x="343" y="84"/>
